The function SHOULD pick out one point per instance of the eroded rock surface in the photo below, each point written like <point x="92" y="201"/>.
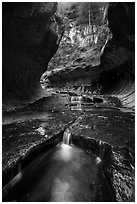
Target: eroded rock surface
<point x="113" y="72"/>
<point x="29" y="42"/>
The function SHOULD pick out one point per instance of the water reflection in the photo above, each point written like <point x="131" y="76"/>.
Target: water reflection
<point x="17" y="178"/>
<point x="65" y="153"/>
<point x="64" y="174"/>
<point x="60" y="191"/>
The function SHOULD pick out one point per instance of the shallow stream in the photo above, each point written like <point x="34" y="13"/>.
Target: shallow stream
<point x="65" y="172"/>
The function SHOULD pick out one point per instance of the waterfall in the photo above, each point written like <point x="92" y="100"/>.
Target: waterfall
<point x="76" y="99"/>
<point x="67" y="137"/>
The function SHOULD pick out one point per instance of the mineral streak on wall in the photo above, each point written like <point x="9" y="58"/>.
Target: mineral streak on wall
<point x="29" y="41"/>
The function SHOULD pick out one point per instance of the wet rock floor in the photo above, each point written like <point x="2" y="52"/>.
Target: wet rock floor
<point x="90" y="121"/>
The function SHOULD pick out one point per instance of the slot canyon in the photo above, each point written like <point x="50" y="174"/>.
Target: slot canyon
<point x="68" y="102"/>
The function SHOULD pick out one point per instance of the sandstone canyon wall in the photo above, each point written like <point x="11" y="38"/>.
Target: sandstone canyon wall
<point x="112" y="73"/>
<point x="29" y="41"/>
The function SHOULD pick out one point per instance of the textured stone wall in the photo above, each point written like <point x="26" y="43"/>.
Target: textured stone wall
<point x="118" y="59"/>
<point x="28" y="43"/>
<point x="113" y="73"/>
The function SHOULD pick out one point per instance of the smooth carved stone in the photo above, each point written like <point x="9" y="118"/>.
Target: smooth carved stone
<point x="114" y="72"/>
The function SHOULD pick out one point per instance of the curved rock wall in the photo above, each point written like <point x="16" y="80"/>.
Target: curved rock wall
<point x="118" y="58"/>
<point x="113" y="73"/>
<point x="29" y="42"/>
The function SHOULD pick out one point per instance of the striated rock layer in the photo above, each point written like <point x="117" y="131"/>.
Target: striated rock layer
<point x="118" y="58"/>
<point x="113" y="72"/>
<point x="29" y="42"/>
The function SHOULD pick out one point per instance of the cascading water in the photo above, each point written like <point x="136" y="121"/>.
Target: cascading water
<point x="65" y="173"/>
<point x="76" y="99"/>
<point x="67" y="137"/>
